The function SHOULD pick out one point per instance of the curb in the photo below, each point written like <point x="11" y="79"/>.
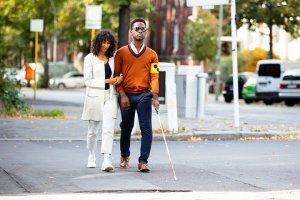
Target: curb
<point x="195" y="136"/>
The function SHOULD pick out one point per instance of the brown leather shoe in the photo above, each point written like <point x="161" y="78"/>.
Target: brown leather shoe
<point x="124" y="163"/>
<point x="143" y="167"/>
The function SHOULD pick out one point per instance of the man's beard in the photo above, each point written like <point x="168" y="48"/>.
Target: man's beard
<point x="139" y="39"/>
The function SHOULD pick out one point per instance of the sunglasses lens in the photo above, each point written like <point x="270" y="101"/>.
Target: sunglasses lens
<point x="143" y="29"/>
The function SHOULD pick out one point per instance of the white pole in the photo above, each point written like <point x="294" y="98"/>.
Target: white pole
<point x="218" y="58"/>
<point x="234" y="65"/>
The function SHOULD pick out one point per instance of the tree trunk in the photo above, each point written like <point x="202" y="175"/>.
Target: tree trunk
<point x="45" y="79"/>
<point x="123" y="25"/>
<point x="270" y="25"/>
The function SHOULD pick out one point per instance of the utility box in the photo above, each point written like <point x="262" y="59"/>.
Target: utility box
<point x="167" y="98"/>
<point x="186" y="87"/>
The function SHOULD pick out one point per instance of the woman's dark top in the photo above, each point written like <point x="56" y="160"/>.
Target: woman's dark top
<point x="108" y="73"/>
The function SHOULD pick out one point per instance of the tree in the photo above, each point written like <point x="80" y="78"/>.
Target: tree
<point x="129" y="9"/>
<point x="201" y="36"/>
<point x="283" y="13"/>
<point x="17" y="42"/>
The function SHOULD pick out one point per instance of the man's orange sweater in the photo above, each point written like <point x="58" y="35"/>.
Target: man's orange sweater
<point x="136" y="70"/>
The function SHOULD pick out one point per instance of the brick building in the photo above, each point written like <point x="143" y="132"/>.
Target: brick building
<point x="167" y="38"/>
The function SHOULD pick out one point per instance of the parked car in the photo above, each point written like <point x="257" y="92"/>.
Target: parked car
<point x="13" y="74"/>
<point x="69" y="80"/>
<point x="289" y="88"/>
<point x="228" y="85"/>
<point x="249" y="90"/>
<point x="269" y="75"/>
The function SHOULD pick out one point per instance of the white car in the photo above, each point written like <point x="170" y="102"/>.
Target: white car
<point x="289" y="90"/>
<point x="69" y="80"/>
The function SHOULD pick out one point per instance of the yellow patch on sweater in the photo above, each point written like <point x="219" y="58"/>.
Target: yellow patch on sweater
<point x="154" y="68"/>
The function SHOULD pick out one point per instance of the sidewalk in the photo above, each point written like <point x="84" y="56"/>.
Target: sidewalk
<point x="212" y="127"/>
<point x="282" y="195"/>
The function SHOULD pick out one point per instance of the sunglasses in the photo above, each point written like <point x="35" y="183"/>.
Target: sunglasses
<point x="143" y="29"/>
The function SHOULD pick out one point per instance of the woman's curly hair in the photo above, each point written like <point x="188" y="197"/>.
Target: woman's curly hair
<point x="102" y="36"/>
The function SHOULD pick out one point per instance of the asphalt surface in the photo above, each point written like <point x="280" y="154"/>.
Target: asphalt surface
<point x="42" y="155"/>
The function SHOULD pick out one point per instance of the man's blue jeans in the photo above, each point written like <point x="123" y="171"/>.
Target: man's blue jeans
<point x="142" y="103"/>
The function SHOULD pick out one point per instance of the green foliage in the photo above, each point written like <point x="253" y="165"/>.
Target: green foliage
<point x="17" y="42"/>
<point x="246" y="61"/>
<point x="276" y="12"/>
<point x="201" y="36"/>
<point x="48" y="113"/>
<point x="143" y="9"/>
<point x="226" y="28"/>
<point x="284" y="14"/>
<point x="10" y="95"/>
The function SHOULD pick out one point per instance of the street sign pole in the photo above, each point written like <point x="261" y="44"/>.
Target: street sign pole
<point x="35" y="62"/>
<point x="36" y="25"/>
<point x="234" y="48"/>
<point x="93" y="32"/>
<point x="218" y="58"/>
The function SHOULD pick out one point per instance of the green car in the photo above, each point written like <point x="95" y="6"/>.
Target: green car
<point x="249" y="90"/>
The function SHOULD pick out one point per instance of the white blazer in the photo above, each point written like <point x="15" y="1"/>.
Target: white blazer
<point x="94" y="78"/>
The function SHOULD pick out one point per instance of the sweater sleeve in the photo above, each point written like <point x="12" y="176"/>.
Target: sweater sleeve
<point x="89" y="79"/>
<point x="118" y="68"/>
<point x="154" y="75"/>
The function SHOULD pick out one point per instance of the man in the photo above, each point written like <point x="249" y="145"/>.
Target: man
<point x="139" y="66"/>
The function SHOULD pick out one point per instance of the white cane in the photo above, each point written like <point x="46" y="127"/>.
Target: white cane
<point x="162" y="131"/>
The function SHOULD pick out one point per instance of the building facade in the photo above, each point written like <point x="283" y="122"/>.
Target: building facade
<point x="167" y="38"/>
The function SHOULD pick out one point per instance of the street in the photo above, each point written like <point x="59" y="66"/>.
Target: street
<point x="60" y="167"/>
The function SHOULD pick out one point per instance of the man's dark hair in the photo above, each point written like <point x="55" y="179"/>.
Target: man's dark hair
<point x="137" y="20"/>
<point x="104" y="35"/>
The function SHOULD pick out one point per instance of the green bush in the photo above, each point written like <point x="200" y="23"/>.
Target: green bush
<point x="10" y="98"/>
<point x="48" y="113"/>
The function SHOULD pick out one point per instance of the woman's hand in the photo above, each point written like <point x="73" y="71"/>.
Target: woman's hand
<point x="117" y="80"/>
<point x="114" y="81"/>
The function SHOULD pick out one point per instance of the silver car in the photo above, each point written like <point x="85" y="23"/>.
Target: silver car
<point x="69" y="80"/>
<point x="289" y="89"/>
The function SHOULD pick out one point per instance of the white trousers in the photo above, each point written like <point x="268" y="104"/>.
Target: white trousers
<point x="107" y="129"/>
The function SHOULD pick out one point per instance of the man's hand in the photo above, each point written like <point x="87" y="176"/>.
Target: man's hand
<point x="124" y="100"/>
<point x="155" y="102"/>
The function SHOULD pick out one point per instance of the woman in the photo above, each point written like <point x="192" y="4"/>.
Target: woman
<point x="100" y="105"/>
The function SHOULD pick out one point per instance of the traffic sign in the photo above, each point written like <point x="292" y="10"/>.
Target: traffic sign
<point x="36" y="25"/>
<point x="93" y="17"/>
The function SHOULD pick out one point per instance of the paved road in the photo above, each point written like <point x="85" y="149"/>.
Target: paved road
<point x="59" y="167"/>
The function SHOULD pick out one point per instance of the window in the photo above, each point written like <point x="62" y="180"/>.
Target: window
<point x="269" y="70"/>
<point x="164" y="37"/>
<point x="176" y="38"/>
<point x="292" y="77"/>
